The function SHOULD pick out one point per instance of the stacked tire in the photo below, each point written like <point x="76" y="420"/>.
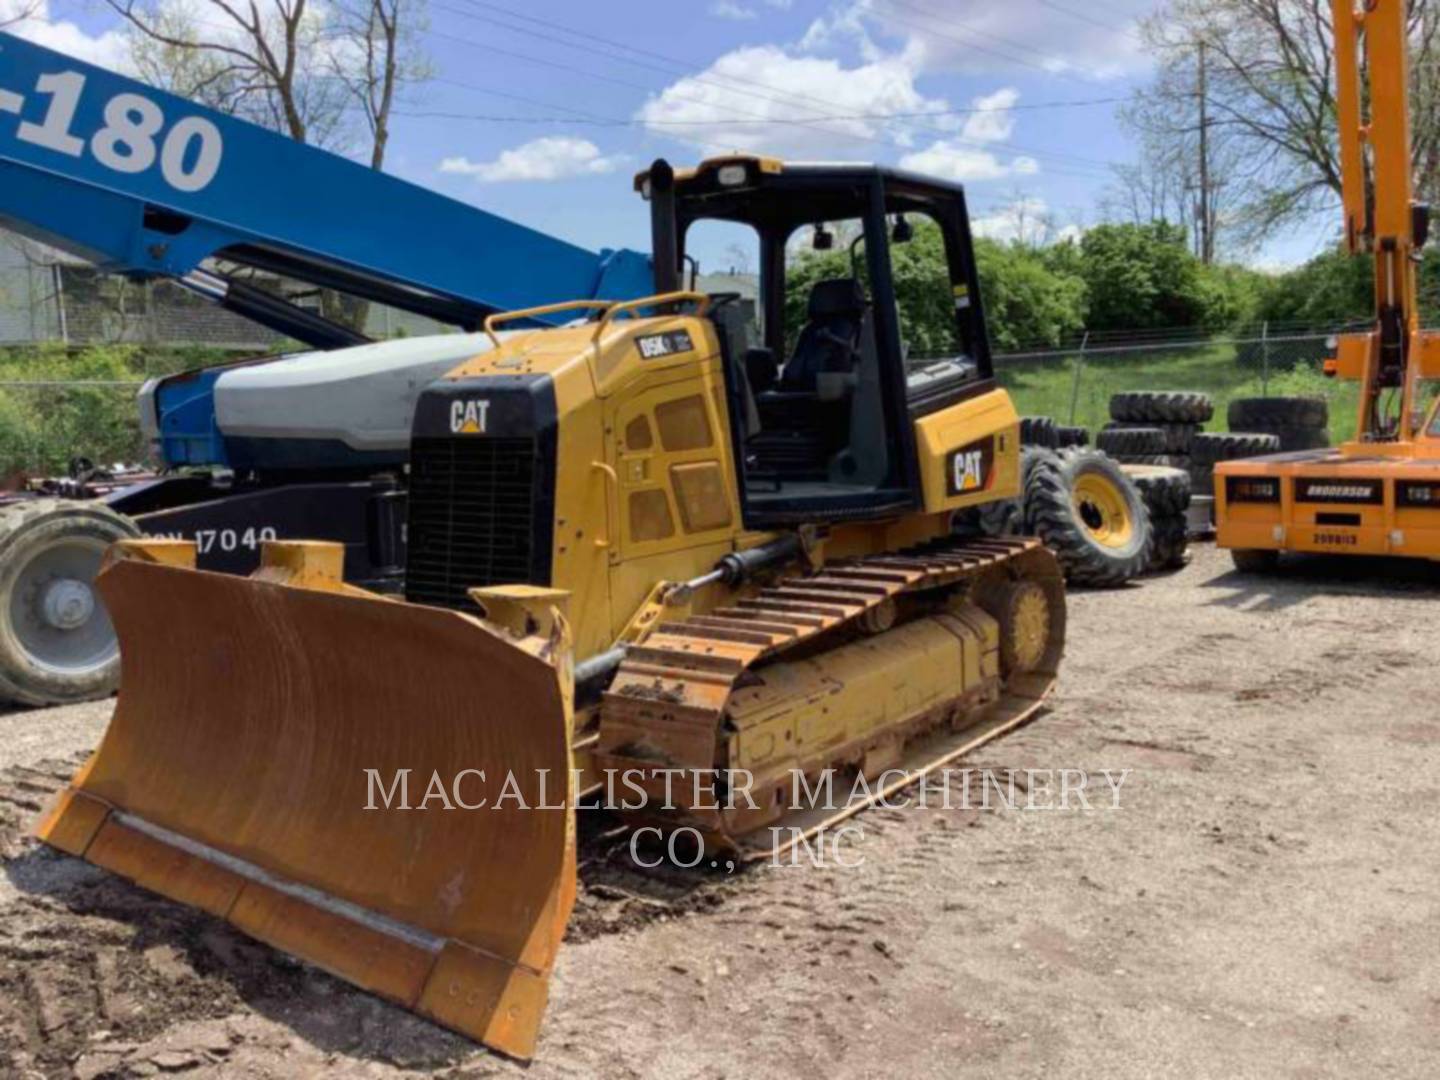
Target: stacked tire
<point x="1154" y="427"/>
<point x="1299" y="423"/>
<point x="1041" y="431"/>
<point x="1007" y="517"/>
<point x="1046" y="433"/>
<point x="1166" y="492"/>
<point x="1211" y="448"/>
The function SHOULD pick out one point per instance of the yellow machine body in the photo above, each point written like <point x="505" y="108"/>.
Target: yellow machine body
<point x="263" y="724"/>
<point x="649" y="493"/>
<point x="1379" y="493"/>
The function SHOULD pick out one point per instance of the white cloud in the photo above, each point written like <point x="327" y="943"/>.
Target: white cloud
<point x="969" y="156"/>
<point x="951" y="160"/>
<point x="1026" y="219"/>
<point x="732" y="9"/>
<point x="555" y="157"/>
<point x="767" y="99"/>
<point x="993" y="120"/>
<point x="968" y="36"/>
<point x="728" y="9"/>
<point x="108" y="49"/>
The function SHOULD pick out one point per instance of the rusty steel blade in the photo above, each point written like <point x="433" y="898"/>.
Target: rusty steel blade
<point x="234" y="777"/>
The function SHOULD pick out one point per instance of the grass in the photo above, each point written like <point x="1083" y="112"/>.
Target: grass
<point x="1044" y="387"/>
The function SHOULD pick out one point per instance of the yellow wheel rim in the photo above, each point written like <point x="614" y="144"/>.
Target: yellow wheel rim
<point x="1031" y="628"/>
<point x="1102" y="508"/>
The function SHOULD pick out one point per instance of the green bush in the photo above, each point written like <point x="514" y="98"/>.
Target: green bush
<point x="1330" y="289"/>
<point x="1145" y="277"/>
<point x="1027" y="303"/>
<point x="43" y="427"/>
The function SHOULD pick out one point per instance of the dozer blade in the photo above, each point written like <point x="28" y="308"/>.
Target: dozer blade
<point x="234" y="777"/>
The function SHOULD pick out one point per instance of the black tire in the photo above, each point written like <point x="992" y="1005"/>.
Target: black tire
<point x="1126" y="442"/>
<point x="1164" y="406"/>
<point x="1301" y="423"/>
<point x="50" y="550"/>
<point x="1039" y="431"/>
<point x="1169" y="543"/>
<point x="1004" y="517"/>
<point x="1302" y="438"/>
<point x="1255" y="561"/>
<point x="1211" y="447"/>
<point x="1273" y="413"/>
<point x="1071" y="436"/>
<point x="1091" y="516"/>
<point x="1007" y="517"/>
<point x="1167" y="497"/>
<point x="1166" y="491"/>
<point x="1177" y="436"/>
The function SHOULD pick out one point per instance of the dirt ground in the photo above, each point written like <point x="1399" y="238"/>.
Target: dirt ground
<point x="1263" y="902"/>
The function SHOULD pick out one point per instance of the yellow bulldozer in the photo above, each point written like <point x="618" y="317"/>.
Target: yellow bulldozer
<point x="678" y="536"/>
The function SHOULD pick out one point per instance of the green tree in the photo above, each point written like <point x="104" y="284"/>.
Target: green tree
<point x="1144" y="276"/>
<point x="1330" y="289"/>
<point x="1026" y="302"/>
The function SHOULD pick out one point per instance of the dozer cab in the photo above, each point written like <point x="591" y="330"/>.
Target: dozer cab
<point x="680" y="540"/>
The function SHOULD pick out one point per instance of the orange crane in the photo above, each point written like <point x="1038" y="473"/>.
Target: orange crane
<point x="1379" y="493"/>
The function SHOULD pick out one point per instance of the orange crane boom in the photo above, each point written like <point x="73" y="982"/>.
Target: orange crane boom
<point x="1378" y="494"/>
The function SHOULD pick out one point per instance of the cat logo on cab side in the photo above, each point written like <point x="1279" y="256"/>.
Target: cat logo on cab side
<point x="969" y="469"/>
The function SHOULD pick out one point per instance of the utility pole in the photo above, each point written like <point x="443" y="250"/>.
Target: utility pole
<point x="1206" y="214"/>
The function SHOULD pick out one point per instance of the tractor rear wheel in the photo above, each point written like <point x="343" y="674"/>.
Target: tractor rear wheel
<point x="1092" y="517"/>
<point x="56" y="642"/>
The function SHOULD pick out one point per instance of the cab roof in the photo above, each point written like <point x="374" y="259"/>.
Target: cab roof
<point x="796" y="192"/>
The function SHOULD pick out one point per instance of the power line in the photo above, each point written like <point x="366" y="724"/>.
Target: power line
<point x="1084" y="17"/>
<point x="744" y="117"/>
<point x="1044" y="68"/>
<point x="1082" y="167"/>
<point x="588" y="47"/>
<point x="730" y="122"/>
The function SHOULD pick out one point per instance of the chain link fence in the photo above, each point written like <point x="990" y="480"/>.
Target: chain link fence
<point x="47" y="422"/>
<point x="1074" y="384"/>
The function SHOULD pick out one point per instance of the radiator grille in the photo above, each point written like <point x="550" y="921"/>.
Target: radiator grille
<point x="474" y="518"/>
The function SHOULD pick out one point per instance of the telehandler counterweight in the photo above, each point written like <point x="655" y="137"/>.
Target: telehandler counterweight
<point x="748" y="535"/>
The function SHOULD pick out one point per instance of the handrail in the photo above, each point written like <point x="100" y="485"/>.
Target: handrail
<point x="544" y="309"/>
<point x="650" y="301"/>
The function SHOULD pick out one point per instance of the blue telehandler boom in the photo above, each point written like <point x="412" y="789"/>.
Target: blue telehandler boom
<point x="149" y="185"/>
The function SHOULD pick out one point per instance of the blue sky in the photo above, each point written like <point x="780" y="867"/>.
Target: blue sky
<point x="542" y="109"/>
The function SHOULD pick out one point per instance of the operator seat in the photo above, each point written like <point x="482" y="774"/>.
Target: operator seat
<point x="830" y="340"/>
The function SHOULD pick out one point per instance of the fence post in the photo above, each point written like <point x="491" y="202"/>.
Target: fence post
<point x="59" y="277"/>
<point x="1075" y="385"/>
<point x="1265" y="358"/>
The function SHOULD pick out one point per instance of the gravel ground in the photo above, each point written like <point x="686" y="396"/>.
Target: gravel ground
<point x="1261" y="903"/>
